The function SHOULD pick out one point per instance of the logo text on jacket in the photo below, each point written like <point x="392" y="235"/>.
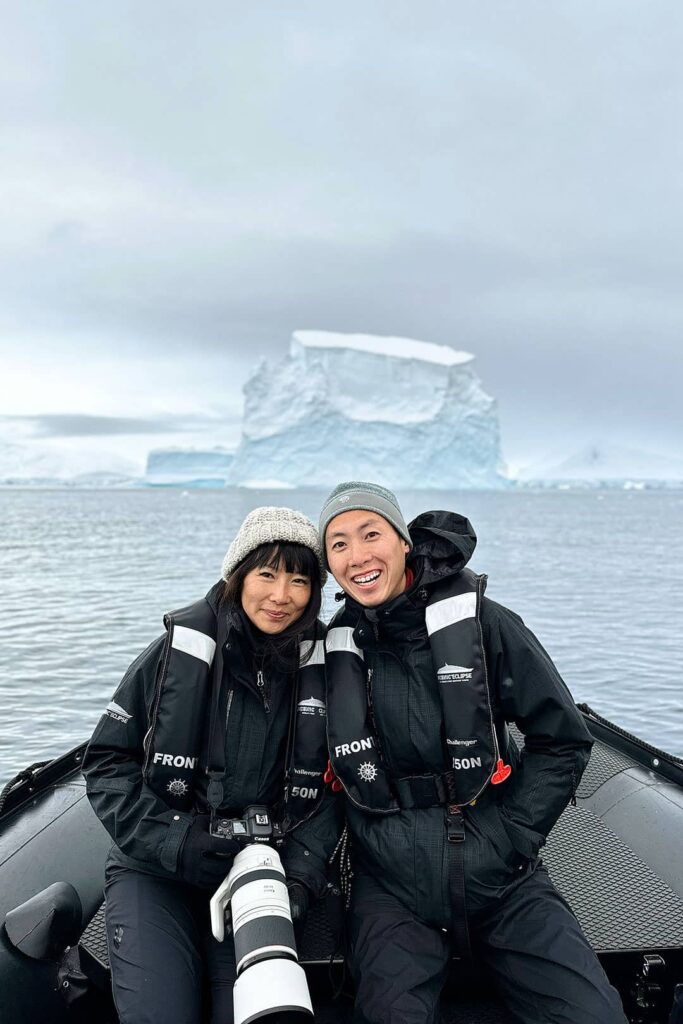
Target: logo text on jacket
<point x="460" y="763"/>
<point x="454" y="674"/>
<point x="354" y="747"/>
<point x="176" y="760"/>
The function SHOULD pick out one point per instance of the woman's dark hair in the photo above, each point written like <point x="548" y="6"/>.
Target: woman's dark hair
<point x="280" y="651"/>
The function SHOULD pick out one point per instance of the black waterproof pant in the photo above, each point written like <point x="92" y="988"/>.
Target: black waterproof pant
<point x="530" y="944"/>
<point x="165" y="963"/>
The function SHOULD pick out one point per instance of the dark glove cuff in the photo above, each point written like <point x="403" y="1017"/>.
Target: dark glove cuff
<point x="299" y="899"/>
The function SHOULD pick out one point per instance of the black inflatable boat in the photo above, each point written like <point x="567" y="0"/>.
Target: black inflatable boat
<point x="617" y="857"/>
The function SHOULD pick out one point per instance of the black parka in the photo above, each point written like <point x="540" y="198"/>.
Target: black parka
<point x="407" y="852"/>
<point x="147" y="833"/>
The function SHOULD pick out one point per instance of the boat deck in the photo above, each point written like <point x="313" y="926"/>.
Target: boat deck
<point x="625" y="905"/>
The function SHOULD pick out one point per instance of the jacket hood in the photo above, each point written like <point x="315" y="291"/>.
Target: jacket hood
<point x="214" y="595"/>
<point x="443" y="543"/>
<point x="212" y="599"/>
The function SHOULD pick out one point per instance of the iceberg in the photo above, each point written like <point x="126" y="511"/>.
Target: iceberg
<point x="402" y="412"/>
<point x="169" y="466"/>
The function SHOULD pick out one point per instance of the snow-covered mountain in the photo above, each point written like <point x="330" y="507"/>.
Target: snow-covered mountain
<point x="48" y="462"/>
<point x="402" y="412"/>
<point x="606" y="461"/>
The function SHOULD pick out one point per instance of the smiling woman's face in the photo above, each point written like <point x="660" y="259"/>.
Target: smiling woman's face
<point x="273" y="598"/>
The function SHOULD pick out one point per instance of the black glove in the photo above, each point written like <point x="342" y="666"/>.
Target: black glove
<point x="205" y="859"/>
<point x="299" y="898"/>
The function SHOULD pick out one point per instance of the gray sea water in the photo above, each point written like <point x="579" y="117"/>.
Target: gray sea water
<point x="85" y="577"/>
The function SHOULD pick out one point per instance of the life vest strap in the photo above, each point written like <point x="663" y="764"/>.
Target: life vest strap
<point x="427" y="790"/>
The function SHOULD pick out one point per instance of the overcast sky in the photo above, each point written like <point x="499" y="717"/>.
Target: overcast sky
<point x="182" y="186"/>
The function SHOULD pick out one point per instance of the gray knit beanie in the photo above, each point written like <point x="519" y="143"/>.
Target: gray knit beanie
<point x="358" y="494"/>
<point x="268" y="524"/>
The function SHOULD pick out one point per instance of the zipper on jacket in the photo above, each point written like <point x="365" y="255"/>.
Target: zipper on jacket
<point x="496" y="749"/>
<point x="231" y="694"/>
<point x="573" y="796"/>
<point x="261" y="683"/>
<point x="373" y="722"/>
<point x="291" y="729"/>
<point x="162" y="668"/>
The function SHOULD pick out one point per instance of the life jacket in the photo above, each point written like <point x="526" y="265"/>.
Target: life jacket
<point x="179" y="715"/>
<point x="452" y="616"/>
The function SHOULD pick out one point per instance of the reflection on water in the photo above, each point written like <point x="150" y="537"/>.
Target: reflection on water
<point x="87" y="575"/>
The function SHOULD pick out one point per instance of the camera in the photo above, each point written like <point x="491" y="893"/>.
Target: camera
<point x="271" y="984"/>
<point x="255" y="826"/>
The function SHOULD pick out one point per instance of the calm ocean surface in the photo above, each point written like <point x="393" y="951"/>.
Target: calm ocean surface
<point x="85" y="577"/>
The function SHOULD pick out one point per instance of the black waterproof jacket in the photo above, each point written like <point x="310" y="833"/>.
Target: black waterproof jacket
<point x="147" y="833"/>
<point x="407" y="852"/>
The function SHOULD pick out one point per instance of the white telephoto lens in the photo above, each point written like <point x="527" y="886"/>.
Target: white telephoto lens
<point x="269" y="977"/>
<point x="271" y="987"/>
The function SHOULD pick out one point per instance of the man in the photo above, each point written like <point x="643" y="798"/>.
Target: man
<point x="446" y="817"/>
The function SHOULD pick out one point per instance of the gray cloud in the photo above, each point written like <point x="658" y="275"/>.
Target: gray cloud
<point x="78" y="425"/>
<point x="197" y="183"/>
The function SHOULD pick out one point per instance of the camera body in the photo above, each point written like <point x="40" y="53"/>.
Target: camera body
<point x="255" y="826"/>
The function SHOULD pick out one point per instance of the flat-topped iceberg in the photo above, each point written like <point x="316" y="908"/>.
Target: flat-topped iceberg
<point x="402" y="412"/>
<point x="168" y="466"/>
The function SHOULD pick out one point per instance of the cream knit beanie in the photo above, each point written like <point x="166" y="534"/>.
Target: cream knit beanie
<point x="270" y="523"/>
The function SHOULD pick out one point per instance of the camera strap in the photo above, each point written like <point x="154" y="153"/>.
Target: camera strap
<point x="215" y="792"/>
<point x="306" y="750"/>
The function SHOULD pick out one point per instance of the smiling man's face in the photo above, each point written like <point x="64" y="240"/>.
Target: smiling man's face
<point x="367" y="557"/>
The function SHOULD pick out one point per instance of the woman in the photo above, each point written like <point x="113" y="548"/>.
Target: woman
<point x="225" y="710"/>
